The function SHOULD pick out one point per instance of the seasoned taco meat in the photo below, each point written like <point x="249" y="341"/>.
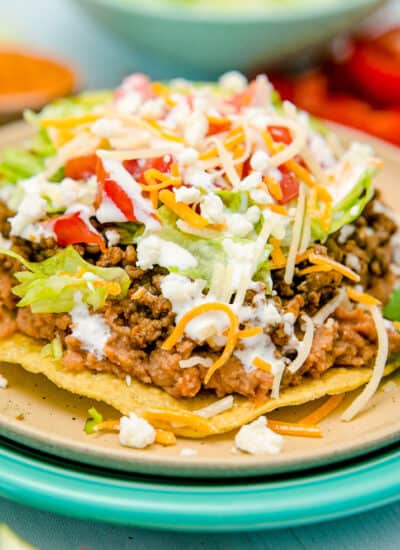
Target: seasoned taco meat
<point x="144" y="318"/>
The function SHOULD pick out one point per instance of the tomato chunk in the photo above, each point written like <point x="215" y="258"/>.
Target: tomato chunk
<point x="72" y="229"/>
<point x="280" y="134"/>
<point x="289" y="186"/>
<point x="119" y="198"/>
<point x="81" y="168"/>
<point x="137" y="168"/>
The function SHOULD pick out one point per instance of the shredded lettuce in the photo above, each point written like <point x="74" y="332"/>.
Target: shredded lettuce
<point x="54" y="349"/>
<point x="95" y="418"/>
<point x="348" y="209"/>
<point x="392" y="308"/>
<point x="17" y="164"/>
<point x="50" y="286"/>
<point x="207" y="252"/>
<point x="236" y="201"/>
<point x="76" y="105"/>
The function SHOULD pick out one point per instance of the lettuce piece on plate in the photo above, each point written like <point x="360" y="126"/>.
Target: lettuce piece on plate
<point x="50" y="286"/>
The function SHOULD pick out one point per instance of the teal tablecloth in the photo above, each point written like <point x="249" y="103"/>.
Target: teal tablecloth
<point x="59" y="27"/>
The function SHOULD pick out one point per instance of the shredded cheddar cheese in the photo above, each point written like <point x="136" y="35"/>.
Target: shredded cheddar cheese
<point x="231" y="335"/>
<point x="274" y="188"/>
<point x="336" y="266"/>
<point x="278" y="257"/>
<point x="262" y="365"/>
<point x="165" y="438"/>
<point x="249" y="332"/>
<point x="361" y="297"/>
<point x="182" y="210"/>
<point x="67" y="123"/>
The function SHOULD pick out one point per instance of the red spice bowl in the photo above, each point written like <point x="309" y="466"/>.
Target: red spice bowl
<point x="29" y="80"/>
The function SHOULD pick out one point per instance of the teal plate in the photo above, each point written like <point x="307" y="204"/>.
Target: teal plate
<point x="286" y="501"/>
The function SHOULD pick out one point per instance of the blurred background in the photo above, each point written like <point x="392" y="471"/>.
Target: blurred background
<point x="332" y="57"/>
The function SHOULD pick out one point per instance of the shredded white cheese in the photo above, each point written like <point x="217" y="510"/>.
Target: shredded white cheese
<point x="305" y="345"/>
<point x="381" y="357"/>
<point x="217" y="407"/>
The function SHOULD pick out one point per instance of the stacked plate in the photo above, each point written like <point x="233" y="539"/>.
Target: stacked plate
<point x="47" y="461"/>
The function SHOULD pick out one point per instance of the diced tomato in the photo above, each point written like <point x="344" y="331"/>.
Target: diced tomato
<point x="136" y="82"/>
<point x="137" y="168"/>
<point x="242" y="99"/>
<point x="72" y="229"/>
<point x="289" y="185"/>
<point x="81" y="168"/>
<point x="216" y="125"/>
<point x="280" y="134"/>
<point x="119" y="198"/>
<point x="375" y="70"/>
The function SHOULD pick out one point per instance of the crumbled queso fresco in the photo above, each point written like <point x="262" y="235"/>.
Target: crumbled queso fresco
<point x="136" y="432"/>
<point x="256" y="438"/>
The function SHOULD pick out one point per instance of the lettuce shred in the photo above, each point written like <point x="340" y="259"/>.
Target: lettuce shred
<point x="50" y="286"/>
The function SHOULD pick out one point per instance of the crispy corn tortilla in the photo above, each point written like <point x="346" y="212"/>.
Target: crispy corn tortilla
<point x="163" y="410"/>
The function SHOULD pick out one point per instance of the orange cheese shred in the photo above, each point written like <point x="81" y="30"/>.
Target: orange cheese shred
<point x="249" y="332"/>
<point x="232" y="333"/>
<point x="314" y="269"/>
<point x="278" y="257"/>
<point x="66" y="123"/>
<point x="323" y="411"/>
<point x="277" y="208"/>
<point x="362" y="297"/>
<point x="273" y="187"/>
<point x="182" y="210"/>
<point x="165" y="438"/>
<point x="294" y="429"/>
<point x="336" y="266"/>
<point x="161" y="90"/>
<point x="155" y="126"/>
<point x="261" y="364"/>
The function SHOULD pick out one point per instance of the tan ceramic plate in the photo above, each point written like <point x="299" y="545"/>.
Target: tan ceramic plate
<point x="34" y="412"/>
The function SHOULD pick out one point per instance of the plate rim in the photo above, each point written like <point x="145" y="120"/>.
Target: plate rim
<point x="92" y="494"/>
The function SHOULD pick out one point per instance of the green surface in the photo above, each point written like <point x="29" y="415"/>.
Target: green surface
<point x="187" y="506"/>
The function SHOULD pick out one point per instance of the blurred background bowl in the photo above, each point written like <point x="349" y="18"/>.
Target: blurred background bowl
<point x="206" y="43"/>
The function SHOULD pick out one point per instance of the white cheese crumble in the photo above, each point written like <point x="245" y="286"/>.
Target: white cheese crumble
<point x="188" y="156"/>
<point x="252" y="181"/>
<point x="112" y="236"/>
<point x="259" y="161"/>
<point x="239" y="225"/>
<point x="188" y="195"/>
<point x="3" y="382"/>
<point x="256" y="438"/>
<point x="153" y="250"/>
<point x="136" y="432"/>
<point x="353" y="262"/>
<point x="31" y="209"/>
<point x="107" y="127"/>
<point x="212" y="209"/>
<point x="196" y="128"/>
<point x="234" y="81"/>
<point x="91" y="330"/>
<point x="345" y="232"/>
<point x="187" y="451"/>
<point x="198" y="178"/>
<point x="128" y="379"/>
<point x="261" y="196"/>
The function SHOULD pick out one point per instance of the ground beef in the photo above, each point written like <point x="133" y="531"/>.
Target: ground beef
<point x="143" y="319"/>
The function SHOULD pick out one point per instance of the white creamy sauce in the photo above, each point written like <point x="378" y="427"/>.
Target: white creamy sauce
<point x="112" y="236"/>
<point x="153" y="250"/>
<point x="90" y="329"/>
<point x="136" y="432"/>
<point x="109" y="212"/>
<point x="256" y="438"/>
<point x="348" y="172"/>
